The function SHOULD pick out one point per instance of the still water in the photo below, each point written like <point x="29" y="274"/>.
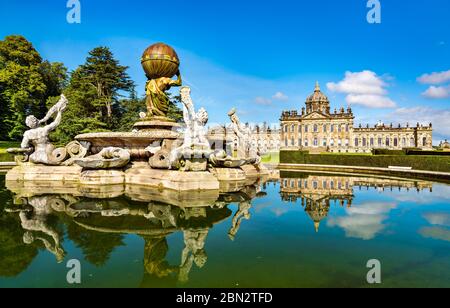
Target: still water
<point x="302" y="230"/>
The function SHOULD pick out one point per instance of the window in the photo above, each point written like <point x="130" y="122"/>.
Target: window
<point x="364" y="142"/>
<point x="332" y="128"/>
<point x="292" y="141"/>
<point x="306" y="184"/>
<point x="292" y="184"/>
<point x="332" y="184"/>
<point x="286" y="142"/>
<point x="324" y="128"/>
<point x="412" y="142"/>
<point x="306" y="143"/>
<point x="306" y="128"/>
<point x="347" y="128"/>
<point x="339" y="128"/>
<point x="299" y="128"/>
<point x="324" y="184"/>
<point x="292" y="128"/>
<point x="388" y="142"/>
<point x="315" y="185"/>
<point x="347" y="142"/>
<point x="395" y="142"/>
<point x="324" y="142"/>
<point x="372" y="142"/>
<point x="424" y="141"/>
<point x="339" y="142"/>
<point x="316" y="128"/>
<point x="404" y="142"/>
<point x="380" y="142"/>
<point x="316" y="142"/>
<point x="285" y="128"/>
<point x="300" y="142"/>
<point x="332" y="142"/>
<point x="356" y="142"/>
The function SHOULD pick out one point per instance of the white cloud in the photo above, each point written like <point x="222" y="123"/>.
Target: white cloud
<point x="364" y="88"/>
<point x="437" y="219"/>
<point x="263" y="101"/>
<point x="280" y="96"/>
<point x="371" y="101"/>
<point x="363" y="221"/>
<point x="437" y="92"/>
<point x="435" y="78"/>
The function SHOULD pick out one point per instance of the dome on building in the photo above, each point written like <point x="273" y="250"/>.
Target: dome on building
<point x="317" y="96"/>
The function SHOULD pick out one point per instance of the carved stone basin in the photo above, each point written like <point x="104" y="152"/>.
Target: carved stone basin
<point x="135" y="142"/>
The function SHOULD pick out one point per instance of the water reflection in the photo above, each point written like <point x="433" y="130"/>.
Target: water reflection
<point x="317" y="193"/>
<point x="97" y="220"/>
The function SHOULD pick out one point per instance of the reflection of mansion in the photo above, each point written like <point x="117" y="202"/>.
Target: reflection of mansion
<point x="318" y="129"/>
<point x="316" y="193"/>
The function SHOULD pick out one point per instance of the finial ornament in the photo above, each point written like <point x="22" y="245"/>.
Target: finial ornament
<point x="317" y="89"/>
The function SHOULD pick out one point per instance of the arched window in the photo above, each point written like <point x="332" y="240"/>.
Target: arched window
<point x="380" y="142"/>
<point x="395" y="142"/>
<point x="424" y="141"/>
<point x="388" y="142"/>
<point x="412" y="142"/>
<point x="364" y="142"/>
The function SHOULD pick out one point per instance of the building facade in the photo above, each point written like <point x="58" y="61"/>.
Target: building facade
<point x="317" y="129"/>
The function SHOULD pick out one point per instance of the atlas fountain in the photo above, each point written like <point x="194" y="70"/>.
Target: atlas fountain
<point x="168" y="158"/>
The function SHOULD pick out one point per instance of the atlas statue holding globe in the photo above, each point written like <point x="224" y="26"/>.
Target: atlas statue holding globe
<point x="161" y="64"/>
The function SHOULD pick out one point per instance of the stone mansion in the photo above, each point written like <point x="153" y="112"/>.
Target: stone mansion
<point x="317" y="129"/>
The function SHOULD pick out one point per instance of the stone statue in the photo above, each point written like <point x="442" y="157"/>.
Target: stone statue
<point x="108" y="158"/>
<point x="36" y="140"/>
<point x="242" y="212"/>
<point x="246" y="150"/>
<point x="195" y="148"/>
<point x="157" y="99"/>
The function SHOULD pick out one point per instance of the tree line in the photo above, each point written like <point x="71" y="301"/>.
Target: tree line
<point x="101" y="94"/>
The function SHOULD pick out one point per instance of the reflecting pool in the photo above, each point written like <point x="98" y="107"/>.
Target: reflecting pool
<point x="301" y="230"/>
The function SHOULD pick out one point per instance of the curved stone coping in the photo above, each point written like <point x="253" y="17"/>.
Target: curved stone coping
<point x="445" y="176"/>
<point x="127" y="139"/>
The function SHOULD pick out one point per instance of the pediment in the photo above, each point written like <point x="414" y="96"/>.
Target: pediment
<point x="315" y="115"/>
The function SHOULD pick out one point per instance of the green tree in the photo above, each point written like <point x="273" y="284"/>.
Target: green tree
<point x="26" y="82"/>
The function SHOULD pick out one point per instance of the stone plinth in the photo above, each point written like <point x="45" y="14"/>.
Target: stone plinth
<point x="142" y="174"/>
<point x="40" y="173"/>
<point x="102" y="177"/>
<point x="228" y="174"/>
<point x="252" y="172"/>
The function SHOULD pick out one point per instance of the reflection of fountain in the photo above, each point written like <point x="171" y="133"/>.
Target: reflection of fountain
<point x="97" y="225"/>
<point x="156" y="153"/>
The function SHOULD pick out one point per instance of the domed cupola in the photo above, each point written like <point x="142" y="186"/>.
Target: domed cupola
<point x="317" y="102"/>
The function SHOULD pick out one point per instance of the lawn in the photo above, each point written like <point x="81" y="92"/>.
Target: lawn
<point x="271" y="158"/>
<point x="4" y="145"/>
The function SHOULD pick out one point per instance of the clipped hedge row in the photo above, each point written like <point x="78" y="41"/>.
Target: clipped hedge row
<point x="428" y="163"/>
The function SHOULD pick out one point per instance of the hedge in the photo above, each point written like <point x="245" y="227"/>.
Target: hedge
<point x="428" y="163"/>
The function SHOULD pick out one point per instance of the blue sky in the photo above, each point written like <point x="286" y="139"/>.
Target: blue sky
<point x="265" y="56"/>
